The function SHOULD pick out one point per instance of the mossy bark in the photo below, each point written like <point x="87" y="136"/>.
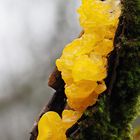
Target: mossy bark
<point x="119" y="105"/>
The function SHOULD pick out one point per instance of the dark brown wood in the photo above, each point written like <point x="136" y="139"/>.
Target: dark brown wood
<point x="55" y="80"/>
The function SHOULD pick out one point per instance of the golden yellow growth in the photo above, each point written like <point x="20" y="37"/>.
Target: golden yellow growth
<point x="83" y="66"/>
<point x="52" y="127"/>
<point x="83" y="63"/>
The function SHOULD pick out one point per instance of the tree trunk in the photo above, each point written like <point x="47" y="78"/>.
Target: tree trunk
<point x="112" y="116"/>
<point x="118" y="106"/>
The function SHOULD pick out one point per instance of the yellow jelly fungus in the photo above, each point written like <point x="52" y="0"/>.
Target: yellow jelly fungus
<point x="52" y="127"/>
<point x="86" y="68"/>
<point x="80" y="90"/>
<point x="69" y="118"/>
<point x="82" y="104"/>
<point x="83" y="63"/>
<point x="83" y="66"/>
<point x="101" y="87"/>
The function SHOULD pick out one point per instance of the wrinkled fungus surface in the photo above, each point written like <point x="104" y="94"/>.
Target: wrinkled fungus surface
<point x="83" y="63"/>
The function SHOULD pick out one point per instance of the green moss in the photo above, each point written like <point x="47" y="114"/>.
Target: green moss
<point x="131" y="14"/>
<point x="124" y="102"/>
<point x="115" y="113"/>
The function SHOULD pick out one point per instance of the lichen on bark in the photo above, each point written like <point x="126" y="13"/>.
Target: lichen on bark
<point x="118" y="106"/>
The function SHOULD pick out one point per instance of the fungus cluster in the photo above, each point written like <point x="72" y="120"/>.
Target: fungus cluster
<point x="83" y="66"/>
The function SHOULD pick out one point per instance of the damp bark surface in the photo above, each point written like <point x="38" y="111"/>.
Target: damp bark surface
<point x="112" y="116"/>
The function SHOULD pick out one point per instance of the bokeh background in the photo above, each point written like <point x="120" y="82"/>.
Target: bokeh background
<point x="32" y="35"/>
